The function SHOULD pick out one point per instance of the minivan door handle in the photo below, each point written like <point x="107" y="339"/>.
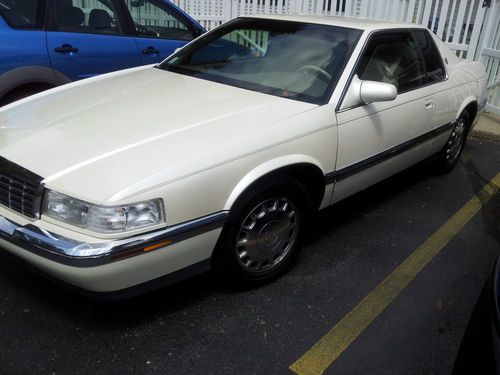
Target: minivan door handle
<point x="429" y="104"/>
<point x="150" y="51"/>
<point x="66" y="48"/>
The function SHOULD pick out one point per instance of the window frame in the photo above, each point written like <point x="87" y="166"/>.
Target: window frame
<point x="52" y="26"/>
<point x="41" y="18"/>
<point x="368" y="39"/>
<point x="196" y="32"/>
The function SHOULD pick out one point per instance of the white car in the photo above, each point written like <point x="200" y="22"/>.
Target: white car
<point x="217" y="157"/>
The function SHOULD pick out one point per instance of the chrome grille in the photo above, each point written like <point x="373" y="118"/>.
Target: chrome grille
<point x="20" y="189"/>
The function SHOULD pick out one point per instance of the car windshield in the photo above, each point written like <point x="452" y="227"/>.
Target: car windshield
<point x="293" y="60"/>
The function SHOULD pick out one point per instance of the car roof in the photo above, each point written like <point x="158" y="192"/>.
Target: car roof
<point x="351" y="22"/>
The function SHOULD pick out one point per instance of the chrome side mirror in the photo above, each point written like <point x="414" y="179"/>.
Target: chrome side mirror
<point x="364" y="92"/>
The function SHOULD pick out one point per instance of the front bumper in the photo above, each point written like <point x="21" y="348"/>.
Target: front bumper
<point x="114" y="264"/>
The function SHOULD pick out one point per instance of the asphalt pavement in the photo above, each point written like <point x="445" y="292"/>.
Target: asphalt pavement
<point x="203" y="327"/>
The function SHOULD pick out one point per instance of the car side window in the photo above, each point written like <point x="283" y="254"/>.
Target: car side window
<point x="432" y="57"/>
<point x="87" y="16"/>
<point x="23" y="13"/>
<point x="154" y="21"/>
<point x="393" y="58"/>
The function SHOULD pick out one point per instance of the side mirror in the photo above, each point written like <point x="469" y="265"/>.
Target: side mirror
<point x="372" y="91"/>
<point x="363" y="92"/>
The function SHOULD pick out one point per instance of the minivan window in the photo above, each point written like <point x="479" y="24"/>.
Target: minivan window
<point x="23" y="13"/>
<point x="153" y="21"/>
<point x="87" y="16"/>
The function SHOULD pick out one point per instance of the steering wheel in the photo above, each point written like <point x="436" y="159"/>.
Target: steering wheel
<point x="144" y="30"/>
<point x="315" y="69"/>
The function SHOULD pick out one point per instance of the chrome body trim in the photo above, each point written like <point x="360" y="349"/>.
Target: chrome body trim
<point x="82" y="254"/>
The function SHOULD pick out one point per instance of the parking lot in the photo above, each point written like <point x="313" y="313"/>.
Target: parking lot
<point x="201" y="326"/>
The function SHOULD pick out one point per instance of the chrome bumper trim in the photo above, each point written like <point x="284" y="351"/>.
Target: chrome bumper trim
<point x="82" y="254"/>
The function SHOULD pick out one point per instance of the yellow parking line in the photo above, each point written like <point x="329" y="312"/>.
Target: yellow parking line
<point x="331" y="346"/>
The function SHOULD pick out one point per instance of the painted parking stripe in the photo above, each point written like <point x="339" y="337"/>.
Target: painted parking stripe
<point x="317" y="359"/>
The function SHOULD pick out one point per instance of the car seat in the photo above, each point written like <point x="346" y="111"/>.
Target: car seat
<point x="67" y="15"/>
<point x="99" y="19"/>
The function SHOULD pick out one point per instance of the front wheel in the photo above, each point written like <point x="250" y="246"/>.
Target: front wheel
<point x="263" y="232"/>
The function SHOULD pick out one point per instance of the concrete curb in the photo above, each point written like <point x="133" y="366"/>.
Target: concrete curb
<point x="488" y="127"/>
<point x="485" y="135"/>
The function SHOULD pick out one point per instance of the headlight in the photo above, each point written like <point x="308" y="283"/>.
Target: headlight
<point x="103" y="219"/>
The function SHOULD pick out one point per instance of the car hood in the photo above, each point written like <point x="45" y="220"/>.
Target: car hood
<point x="118" y="129"/>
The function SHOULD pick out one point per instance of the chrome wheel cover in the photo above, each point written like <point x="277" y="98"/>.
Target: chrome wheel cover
<point x="455" y="142"/>
<point x="267" y="235"/>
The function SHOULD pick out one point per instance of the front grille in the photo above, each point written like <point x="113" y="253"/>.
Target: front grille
<point x="20" y="189"/>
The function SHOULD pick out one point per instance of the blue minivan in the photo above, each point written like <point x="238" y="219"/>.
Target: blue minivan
<point x="46" y="43"/>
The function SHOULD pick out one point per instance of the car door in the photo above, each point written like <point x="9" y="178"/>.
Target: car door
<point x="89" y="37"/>
<point x="376" y="140"/>
<point x="443" y="101"/>
<point x="160" y="29"/>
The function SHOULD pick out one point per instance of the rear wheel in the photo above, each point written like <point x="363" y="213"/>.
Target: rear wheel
<point x="450" y="154"/>
<point x="263" y="232"/>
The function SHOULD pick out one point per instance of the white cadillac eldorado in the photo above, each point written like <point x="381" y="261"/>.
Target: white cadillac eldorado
<point x="218" y="157"/>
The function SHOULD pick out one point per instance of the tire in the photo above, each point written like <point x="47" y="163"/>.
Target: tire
<point x="23" y="92"/>
<point x="450" y="154"/>
<point x="263" y="233"/>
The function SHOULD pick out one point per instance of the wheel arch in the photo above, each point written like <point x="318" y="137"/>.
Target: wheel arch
<point x="470" y="104"/>
<point x="17" y="78"/>
<point x="303" y="168"/>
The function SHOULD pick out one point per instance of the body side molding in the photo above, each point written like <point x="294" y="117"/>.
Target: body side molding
<point x="352" y="169"/>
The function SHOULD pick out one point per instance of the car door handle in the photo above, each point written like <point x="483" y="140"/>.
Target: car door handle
<point x="66" y="48"/>
<point x="429" y="105"/>
<point x="150" y="51"/>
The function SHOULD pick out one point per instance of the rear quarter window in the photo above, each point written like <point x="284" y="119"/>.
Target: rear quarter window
<point x="27" y="14"/>
<point x="431" y="55"/>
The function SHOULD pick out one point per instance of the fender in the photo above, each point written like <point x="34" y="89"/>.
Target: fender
<point x="468" y="100"/>
<point x="14" y="78"/>
<point x="269" y="166"/>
